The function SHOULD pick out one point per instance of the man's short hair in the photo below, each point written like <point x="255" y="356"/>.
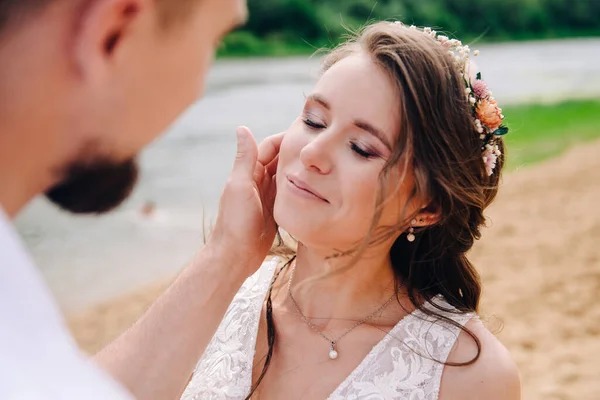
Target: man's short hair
<point x="13" y="12"/>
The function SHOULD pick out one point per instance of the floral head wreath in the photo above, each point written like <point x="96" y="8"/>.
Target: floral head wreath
<point x="487" y="116"/>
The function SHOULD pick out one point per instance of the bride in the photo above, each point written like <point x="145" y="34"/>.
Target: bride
<point x="382" y="180"/>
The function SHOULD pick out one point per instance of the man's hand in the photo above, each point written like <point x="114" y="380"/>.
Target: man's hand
<point x="245" y="228"/>
<point x="154" y="359"/>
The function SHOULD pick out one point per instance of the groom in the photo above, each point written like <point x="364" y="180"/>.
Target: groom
<point x="84" y="85"/>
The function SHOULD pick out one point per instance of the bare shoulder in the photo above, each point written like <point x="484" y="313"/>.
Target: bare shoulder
<point x="494" y="376"/>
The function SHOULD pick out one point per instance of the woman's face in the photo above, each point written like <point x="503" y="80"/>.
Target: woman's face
<point x="332" y="155"/>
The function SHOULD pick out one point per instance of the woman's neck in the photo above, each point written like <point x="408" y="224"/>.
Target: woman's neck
<point x="339" y="288"/>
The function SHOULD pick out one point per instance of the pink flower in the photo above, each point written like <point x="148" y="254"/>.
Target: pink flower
<point x="471" y="70"/>
<point x="480" y="88"/>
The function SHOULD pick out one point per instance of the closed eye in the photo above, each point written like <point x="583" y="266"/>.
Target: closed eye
<point x="312" y="124"/>
<point x="361" y="152"/>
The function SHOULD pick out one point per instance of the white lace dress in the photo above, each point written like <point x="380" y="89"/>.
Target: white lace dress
<point x="403" y="365"/>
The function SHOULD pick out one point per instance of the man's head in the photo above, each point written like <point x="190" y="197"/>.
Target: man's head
<point x="86" y="84"/>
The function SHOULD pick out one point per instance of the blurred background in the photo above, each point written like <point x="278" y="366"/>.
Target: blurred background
<point x="539" y="258"/>
<point x="284" y="27"/>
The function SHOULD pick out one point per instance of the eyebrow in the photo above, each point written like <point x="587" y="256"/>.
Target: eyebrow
<point x="318" y="99"/>
<point x="365" y="126"/>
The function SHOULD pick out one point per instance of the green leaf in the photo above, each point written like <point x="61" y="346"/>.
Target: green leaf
<point x="485" y="141"/>
<point x="479" y="76"/>
<point x="503" y="130"/>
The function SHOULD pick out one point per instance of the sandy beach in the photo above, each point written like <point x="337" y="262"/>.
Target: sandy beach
<point x="540" y="262"/>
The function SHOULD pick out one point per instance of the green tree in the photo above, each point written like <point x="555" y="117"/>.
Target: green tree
<point x="314" y="23"/>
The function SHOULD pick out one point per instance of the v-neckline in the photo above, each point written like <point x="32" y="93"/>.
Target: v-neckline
<point x="373" y="353"/>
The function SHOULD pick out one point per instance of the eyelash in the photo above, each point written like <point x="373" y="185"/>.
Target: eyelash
<point x="355" y="148"/>
<point x="311" y="124"/>
<point x="362" y="153"/>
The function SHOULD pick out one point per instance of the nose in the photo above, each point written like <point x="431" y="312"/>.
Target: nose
<point x="318" y="153"/>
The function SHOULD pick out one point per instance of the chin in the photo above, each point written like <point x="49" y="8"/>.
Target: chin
<point x="94" y="188"/>
<point x="295" y="222"/>
<point x="303" y="227"/>
<point x="319" y="239"/>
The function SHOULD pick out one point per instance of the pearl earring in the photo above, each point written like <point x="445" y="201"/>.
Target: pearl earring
<point x="411" y="231"/>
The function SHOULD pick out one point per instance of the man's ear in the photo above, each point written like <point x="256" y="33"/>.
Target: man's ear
<point x="100" y="28"/>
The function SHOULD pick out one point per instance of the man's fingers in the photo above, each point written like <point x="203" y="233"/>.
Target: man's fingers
<point x="271" y="168"/>
<point x="269" y="148"/>
<point x="259" y="173"/>
<point x="269" y="191"/>
<point x="245" y="158"/>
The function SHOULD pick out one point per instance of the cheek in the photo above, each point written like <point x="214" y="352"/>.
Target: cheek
<point x="193" y="51"/>
<point x="289" y="152"/>
<point x="359" y="188"/>
<point x="288" y="158"/>
<point x="190" y="74"/>
<point x="396" y="206"/>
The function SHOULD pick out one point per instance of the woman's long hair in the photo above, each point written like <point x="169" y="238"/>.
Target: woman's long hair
<point x="438" y="142"/>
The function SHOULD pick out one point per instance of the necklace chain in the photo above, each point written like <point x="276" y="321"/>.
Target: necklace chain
<point x="332" y="342"/>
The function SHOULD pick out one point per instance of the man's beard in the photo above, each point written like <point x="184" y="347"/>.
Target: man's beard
<point x="96" y="187"/>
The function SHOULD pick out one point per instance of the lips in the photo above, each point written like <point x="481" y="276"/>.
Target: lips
<point x="300" y="184"/>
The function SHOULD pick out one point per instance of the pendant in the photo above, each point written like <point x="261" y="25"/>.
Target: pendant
<point x="332" y="353"/>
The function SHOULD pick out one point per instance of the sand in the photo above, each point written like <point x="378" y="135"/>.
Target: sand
<point x="540" y="263"/>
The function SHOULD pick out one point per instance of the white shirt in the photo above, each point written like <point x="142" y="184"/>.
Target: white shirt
<point x="38" y="357"/>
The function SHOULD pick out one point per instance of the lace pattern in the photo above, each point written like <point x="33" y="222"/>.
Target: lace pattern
<point x="406" y="364"/>
<point x="225" y="369"/>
